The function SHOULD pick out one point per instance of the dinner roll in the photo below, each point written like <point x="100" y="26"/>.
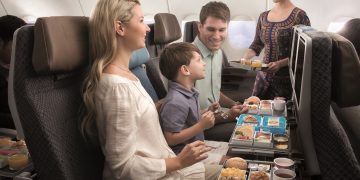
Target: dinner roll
<point x="236" y="162"/>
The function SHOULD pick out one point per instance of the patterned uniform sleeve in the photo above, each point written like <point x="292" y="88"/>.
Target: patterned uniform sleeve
<point x="303" y="18"/>
<point x="121" y="127"/>
<point x="257" y="45"/>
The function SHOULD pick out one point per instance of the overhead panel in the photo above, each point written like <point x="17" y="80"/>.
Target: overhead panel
<point x="40" y="8"/>
<point x="249" y="8"/>
<point x="2" y="10"/>
<point x="152" y="7"/>
<point x="334" y="10"/>
<point x="87" y="6"/>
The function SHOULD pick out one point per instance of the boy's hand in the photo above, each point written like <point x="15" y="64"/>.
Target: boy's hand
<point x="214" y="107"/>
<point x="236" y="110"/>
<point x="207" y="120"/>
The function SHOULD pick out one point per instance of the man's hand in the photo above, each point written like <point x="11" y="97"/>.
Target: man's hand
<point x="214" y="107"/>
<point x="235" y="111"/>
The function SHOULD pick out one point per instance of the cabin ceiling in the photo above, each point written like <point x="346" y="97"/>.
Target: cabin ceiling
<point x="182" y="8"/>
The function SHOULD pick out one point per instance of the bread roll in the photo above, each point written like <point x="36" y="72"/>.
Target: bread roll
<point x="236" y="162"/>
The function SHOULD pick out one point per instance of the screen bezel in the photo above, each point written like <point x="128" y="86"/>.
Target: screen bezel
<point x="305" y="83"/>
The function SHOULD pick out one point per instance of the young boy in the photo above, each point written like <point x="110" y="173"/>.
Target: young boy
<point x="180" y="115"/>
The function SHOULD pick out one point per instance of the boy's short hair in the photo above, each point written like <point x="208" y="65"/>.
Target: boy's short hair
<point x="215" y="9"/>
<point x="174" y="56"/>
<point x="8" y="25"/>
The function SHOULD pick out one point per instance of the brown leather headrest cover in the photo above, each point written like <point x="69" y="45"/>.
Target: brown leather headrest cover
<point x="166" y="28"/>
<point x="351" y="32"/>
<point x="61" y="44"/>
<point x="345" y="72"/>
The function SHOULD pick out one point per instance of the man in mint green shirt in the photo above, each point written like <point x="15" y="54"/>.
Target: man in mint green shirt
<point x="214" y="21"/>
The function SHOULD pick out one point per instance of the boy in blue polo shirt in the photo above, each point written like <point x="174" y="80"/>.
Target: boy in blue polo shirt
<point x="181" y="118"/>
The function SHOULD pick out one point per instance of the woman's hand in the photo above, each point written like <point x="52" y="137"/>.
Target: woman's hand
<point x="193" y="153"/>
<point x="273" y="67"/>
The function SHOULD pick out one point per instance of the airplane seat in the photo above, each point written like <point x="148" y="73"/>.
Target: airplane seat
<point x="165" y="30"/>
<point x="345" y="94"/>
<point x="137" y="65"/>
<point x="190" y="31"/>
<point x="351" y="32"/>
<point x="149" y="42"/>
<point x="48" y="67"/>
<point x="334" y="153"/>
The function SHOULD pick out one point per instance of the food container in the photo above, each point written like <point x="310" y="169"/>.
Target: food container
<point x="284" y="174"/>
<point x="275" y="125"/>
<point x="281" y="141"/>
<point x="263" y="139"/>
<point x="284" y="163"/>
<point x="18" y="161"/>
<point x="252" y="103"/>
<point x="243" y="135"/>
<point x="259" y="175"/>
<point x="251" y="120"/>
<point x="252" y="108"/>
<point x="3" y="161"/>
<point x="5" y="142"/>
<point x="265" y="107"/>
<point x="232" y="173"/>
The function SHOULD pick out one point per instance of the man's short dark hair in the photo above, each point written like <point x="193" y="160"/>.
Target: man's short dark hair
<point x="174" y="56"/>
<point x="8" y="25"/>
<point x="215" y="9"/>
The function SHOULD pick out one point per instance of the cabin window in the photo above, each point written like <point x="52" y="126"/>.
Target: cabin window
<point x="241" y="33"/>
<point x="338" y="24"/>
<point x="149" y="19"/>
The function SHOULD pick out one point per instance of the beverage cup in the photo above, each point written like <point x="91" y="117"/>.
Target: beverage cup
<point x="284" y="174"/>
<point x="279" y="104"/>
<point x="283" y="163"/>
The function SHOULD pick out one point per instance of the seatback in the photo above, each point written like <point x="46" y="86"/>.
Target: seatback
<point x="334" y="153"/>
<point x="165" y="30"/>
<point x="345" y="93"/>
<point x="351" y="32"/>
<point x="190" y="31"/>
<point x="137" y="66"/>
<point x="47" y="70"/>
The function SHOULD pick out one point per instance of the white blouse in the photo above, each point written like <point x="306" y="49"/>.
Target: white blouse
<point x="130" y="134"/>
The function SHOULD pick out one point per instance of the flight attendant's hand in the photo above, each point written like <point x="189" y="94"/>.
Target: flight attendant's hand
<point x="273" y="67"/>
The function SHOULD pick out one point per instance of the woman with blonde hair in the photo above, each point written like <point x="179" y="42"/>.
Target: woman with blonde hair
<point x="120" y="115"/>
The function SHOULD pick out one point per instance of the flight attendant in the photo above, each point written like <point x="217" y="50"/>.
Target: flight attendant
<point x="273" y="34"/>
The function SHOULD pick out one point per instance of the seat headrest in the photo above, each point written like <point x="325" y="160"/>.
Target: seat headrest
<point x="345" y="71"/>
<point x="351" y="32"/>
<point x="61" y="44"/>
<point x="191" y="31"/>
<point x="138" y="57"/>
<point x="166" y="29"/>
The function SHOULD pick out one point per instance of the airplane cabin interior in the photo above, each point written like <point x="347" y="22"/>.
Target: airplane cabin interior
<point x="50" y="57"/>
